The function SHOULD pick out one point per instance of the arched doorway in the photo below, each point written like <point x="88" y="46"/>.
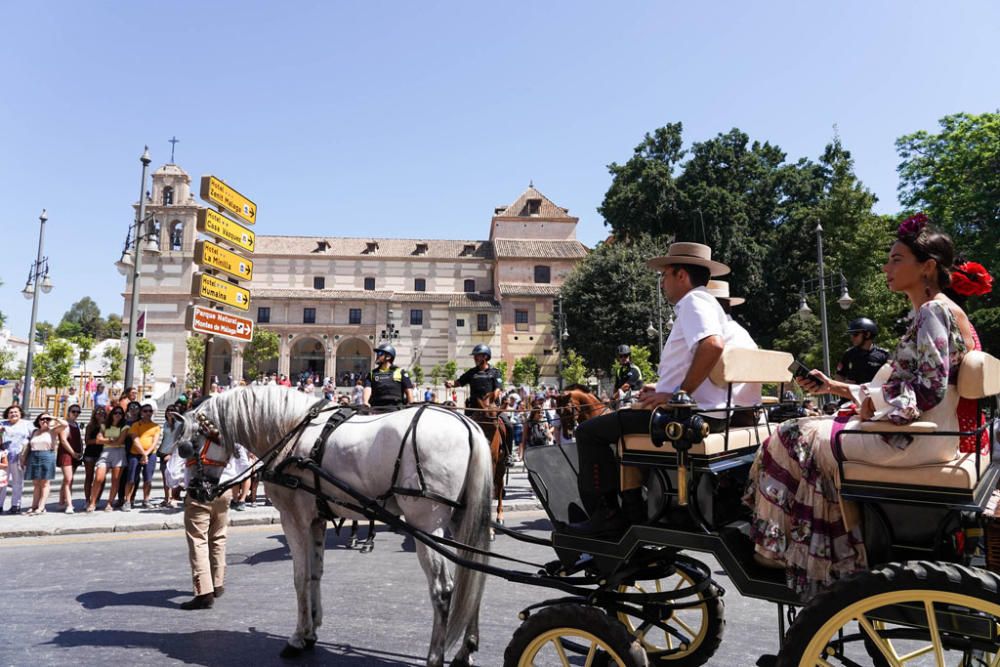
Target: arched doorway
<point x="354" y="359"/>
<point x="220" y="360"/>
<point x="308" y="356"/>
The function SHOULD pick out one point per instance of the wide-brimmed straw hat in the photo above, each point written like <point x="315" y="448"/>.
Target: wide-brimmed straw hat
<point x="720" y="290"/>
<point x="695" y="254"/>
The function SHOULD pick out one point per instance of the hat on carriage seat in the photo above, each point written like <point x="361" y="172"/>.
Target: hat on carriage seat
<point x="720" y="290"/>
<point x="696" y="254"/>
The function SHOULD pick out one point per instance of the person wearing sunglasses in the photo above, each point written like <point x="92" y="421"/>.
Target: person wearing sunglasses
<point x="40" y="458"/>
<point x="69" y="456"/>
<point x="112" y="439"/>
<point x="145" y="436"/>
<point x="864" y="358"/>
<point x="92" y="449"/>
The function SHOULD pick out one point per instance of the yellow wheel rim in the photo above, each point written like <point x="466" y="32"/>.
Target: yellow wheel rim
<point x="816" y="652"/>
<point x="548" y="649"/>
<point x="692" y="621"/>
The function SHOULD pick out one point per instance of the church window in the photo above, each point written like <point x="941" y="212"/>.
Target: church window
<point x="482" y="322"/>
<point x="534" y="206"/>
<point x="319" y="282"/>
<point x="168" y="196"/>
<point x="416" y="317"/>
<point x="354" y="316"/>
<point x="264" y="314"/>
<point x="419" y="285"/>
<point x="521" y="320"/>
<point x="370" y="284"/>
<point x="176" y="235"/>
<point x="308" y="316"/>
<point x="543" y="274"/>
<point x="470" y="285"/>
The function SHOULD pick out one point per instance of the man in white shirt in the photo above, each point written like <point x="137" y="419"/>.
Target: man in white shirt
<point x="735" y="335"/>
<point x="693" y="348"/>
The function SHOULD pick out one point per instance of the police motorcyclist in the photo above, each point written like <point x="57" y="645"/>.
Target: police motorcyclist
<point x="387" y="386"/>
<point x="629" y="377"/>
<point x="485" y="384"/>
<point x="861" y="362"/>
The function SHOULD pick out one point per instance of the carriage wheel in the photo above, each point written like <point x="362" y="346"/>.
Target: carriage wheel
<point x="910" y="613"/>
<point x="693" y="634"/>
<point x="572" y="634"/>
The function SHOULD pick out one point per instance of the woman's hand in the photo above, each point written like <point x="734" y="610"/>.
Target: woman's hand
<point x="815" y="383"/>
<point x="867" y="410"/>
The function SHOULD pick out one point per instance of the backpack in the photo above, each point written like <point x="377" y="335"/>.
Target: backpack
<point x="537" y="435"/>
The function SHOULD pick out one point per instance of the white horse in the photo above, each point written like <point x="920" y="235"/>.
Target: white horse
<point x="454" y="462"/>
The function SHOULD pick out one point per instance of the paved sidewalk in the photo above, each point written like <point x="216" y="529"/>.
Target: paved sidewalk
<point x="520" y="498"/>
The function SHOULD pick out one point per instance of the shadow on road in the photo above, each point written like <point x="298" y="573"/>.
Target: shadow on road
<point x="215" y="647"/>
<point x="101" y="599"/>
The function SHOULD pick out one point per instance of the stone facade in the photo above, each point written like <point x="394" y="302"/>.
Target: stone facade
<point x="331" y="299"/>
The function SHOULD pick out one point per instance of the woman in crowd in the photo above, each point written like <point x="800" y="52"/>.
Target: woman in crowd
<point x="40" y="458"/>
<point x="92" y="450"/>
<point x="798" y="524"/>
<point x="145" y="435"/>
<point x="537" y="432"/>
<point x="69" y="457"/>
<point x="112" y="457"/>
<point x="14" y="434"/>
<point x="173" y="425"/>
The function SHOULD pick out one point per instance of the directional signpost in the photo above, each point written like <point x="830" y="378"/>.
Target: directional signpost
<point x="224" y="267"/>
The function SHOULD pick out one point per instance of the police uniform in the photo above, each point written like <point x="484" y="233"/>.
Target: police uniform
<point x="481" y="382"/>
<point x="388" y="386"/>
<point x="859" y="365"/>
<point x="630" y="375"/>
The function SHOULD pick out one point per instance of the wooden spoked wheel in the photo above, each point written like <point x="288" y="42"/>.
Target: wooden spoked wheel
<point x="917" y="613"/>
<point x="691" y="635"/>
<point x="571" y="634"/>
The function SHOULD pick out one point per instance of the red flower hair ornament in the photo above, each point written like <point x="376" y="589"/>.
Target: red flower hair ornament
<point x="913" y="225"/>
<point x="971" y="279"/>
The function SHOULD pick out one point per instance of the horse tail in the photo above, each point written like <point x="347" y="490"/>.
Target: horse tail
<point x="473" y="530"/>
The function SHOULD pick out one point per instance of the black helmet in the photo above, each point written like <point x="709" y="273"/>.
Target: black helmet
<point x="386" y="349"/>
<point x="863" y="324"/>
<point x="623" y="350"/>
<point x="482" y="349"/>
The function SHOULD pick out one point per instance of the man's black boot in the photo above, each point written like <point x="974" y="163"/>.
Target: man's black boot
<point x="199" y="602"/>
<point x="606" y="521"/>
<point x="634" y="506"/>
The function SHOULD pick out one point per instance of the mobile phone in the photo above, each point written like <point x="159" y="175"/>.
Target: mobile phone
<point x="799" y="370"/>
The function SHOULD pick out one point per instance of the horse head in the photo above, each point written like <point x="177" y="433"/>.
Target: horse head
<point x="575" y="405"/>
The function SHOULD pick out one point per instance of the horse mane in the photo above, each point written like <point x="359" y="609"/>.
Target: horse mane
<point x="578" y="387"/>
<point x="254" y="417"/>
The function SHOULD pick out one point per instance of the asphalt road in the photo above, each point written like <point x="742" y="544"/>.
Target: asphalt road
<point x="112" y="599"/>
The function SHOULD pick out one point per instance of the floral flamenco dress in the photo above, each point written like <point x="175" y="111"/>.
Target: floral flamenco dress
<point x="797" y="518"/>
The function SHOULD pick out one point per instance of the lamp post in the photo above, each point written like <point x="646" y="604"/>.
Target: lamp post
<point x="38" y="279"/>
<point x="819" y="286"/>
<point x="658" y="329"/>
<point x="133" y="317"/>
<point x="561" y="335"/>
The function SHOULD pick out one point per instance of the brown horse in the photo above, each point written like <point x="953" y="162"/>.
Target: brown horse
<point x="487" y="415"/>
<point x="576" y="405"/>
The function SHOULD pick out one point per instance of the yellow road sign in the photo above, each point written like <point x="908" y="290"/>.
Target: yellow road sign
<point x="215" y="256"/>
<point x="221" y="227"/>
<point x="216" y="192"/>
<point x="220" y="291"/>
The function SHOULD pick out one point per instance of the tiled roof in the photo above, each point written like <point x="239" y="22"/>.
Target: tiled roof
<point x="473" y="301"/>
<point x="521" y="209"/>
<point x="551" y="249"/>
<point x="335" y="246"/>
<point x="422" y="297"/>
<point x="305" y="293"/>
<point x="528" y="289"/>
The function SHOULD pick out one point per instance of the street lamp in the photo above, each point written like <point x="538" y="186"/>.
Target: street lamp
<point x="562" y="335"/>
<point x="38" y="278"/>
<point x="140" y="236"/>
<point x="819" y="285"/>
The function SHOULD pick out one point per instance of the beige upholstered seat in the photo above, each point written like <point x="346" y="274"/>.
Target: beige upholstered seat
<point x="978" y="377"/>
<point x="714" y="445"/>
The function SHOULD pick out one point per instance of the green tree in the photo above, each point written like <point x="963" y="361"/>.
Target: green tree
<point x="574" y="369"/>
<point x="261" y="349"/>
<point x="53" y="367"/>
<point x="418" y="374"/>
<point x="112" y="327"/>
<point x="7" y="370"/>
<point x="84" y="346"/>
<point x="987" y="323"/>
<point x="43" y="332"/>
<point x="953" y="176"/>
<point x="450" y="369"/>
<point x="437" y="372"/>
<point x="526" y="371"/>
<point x="502" y="367"/>
<point x="144" y="351"/>
<point x="610" y="298"/>
<point x="83" y="317"/>
<point x="114" y="362"/>
<point x="195" y="360"/>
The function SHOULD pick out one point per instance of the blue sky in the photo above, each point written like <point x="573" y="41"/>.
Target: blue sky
<point x="416" y="119"/>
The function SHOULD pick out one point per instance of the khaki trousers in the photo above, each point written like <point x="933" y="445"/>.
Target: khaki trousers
<point x="205" y="525"/>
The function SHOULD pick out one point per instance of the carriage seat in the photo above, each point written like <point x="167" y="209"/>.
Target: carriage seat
<point x="978" y="378"/>
<point x="737" y="365"/>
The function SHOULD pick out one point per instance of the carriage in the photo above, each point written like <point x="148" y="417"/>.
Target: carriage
<point x="930" y="599"/>
<point x="642" y="598"/>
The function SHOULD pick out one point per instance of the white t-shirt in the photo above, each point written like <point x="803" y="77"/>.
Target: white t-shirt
<point x="744" y="393"/>
<point x="697" y="316"/>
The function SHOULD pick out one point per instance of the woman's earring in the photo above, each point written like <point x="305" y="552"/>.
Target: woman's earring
<point x="927" y="286"/>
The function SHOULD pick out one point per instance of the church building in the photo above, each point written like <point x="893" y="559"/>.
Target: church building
<point x="332" y="300"/>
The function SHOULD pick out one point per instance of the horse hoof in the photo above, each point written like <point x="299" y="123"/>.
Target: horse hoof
<point x="493" y="535"/>
<point x="353" y="543"/>
<point x="291" y="651"/>
<point x="367" y="548"/>
<point x="310" y="644"/>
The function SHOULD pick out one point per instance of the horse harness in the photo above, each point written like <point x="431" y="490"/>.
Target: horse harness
<point x="313" y="463"/>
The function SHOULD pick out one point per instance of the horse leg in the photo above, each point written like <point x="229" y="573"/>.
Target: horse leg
<point x="317" y="532"/>
<point x="299" y="544"/>
<point x="435" y="568"/>
<point x="352" y="542"/>
<point x="369" y="544"/>
<point x="470" y="644"/>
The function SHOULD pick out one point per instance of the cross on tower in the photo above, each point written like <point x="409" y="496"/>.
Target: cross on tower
<point x="173" y="144"/>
